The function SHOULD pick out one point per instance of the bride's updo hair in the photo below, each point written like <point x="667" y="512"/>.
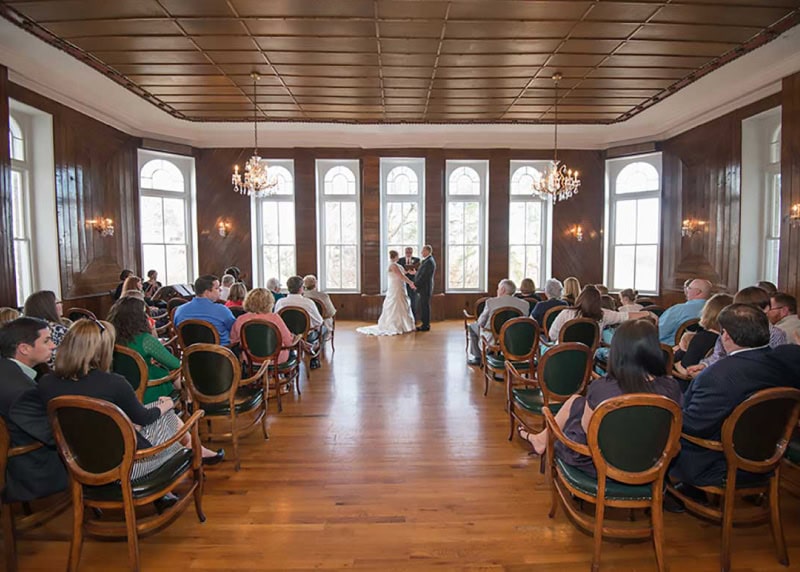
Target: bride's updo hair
<point x="394" y="255"/>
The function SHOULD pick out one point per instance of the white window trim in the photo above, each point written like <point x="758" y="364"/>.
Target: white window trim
<point x="186" y="165"/>
<point x="260" y="279"/>
<point x="23" y="167"/>
<point x="613" y="169"/>
<point x="482" y="168"/>
<point x="322" y="167"/>
<point x="547" y="219"/>
<point x="387" y="164"/>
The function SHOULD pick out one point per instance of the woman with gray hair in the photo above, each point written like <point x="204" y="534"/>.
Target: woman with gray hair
<point x="553" y="289"/>
<point x="274" y="286"/>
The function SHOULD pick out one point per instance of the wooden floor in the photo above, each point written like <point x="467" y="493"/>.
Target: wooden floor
<point x="392" y="459"/>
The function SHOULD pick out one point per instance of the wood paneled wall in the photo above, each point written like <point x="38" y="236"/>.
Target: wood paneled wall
<point x="8" y="288"/>
<point x="789" y="274"/>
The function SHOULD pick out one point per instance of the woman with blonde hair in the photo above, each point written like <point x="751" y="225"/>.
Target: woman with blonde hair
<point x="572" y="289"/>
<point x="8" y="315"/>
<point x="236" y="295"/>
<point x="132" y="287"/>
<point x="527" y="289"/>
<point x="693" y="347"/>
<point x="82" y="368"/>
<point x="258" y="305"/>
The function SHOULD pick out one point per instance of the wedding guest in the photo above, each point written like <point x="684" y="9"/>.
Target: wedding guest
<point x="627" y="301"/>
<point x="767" y="287"/>
<point x="152" y="285"/>
<point x="553" y="288"/>
<point x="588" y="305"/>
<point x="228" y="280"/>
<point x="122" y="276"/>
<point x="527" y="289"/>
<point x="274" y="286"/>
<point x="45" y="306"/>
<point x="694" y="346"/>
<point x="782" y="314"/>
<point x="8" y="314"/>
<point x="697" y="292"/>
<point x="236" y="295"/>
<point x="258" y="305"/>
<point x="204" y="307"/>
<point x="132" y="284"/>
<point x="572" y="289"/>
<point x="505" y="298"/>
<point x="328" y="309"/>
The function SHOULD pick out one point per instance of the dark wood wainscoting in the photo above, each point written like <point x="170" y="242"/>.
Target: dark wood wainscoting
<point x="789" y="275"/>
<point x="8" y="287"/>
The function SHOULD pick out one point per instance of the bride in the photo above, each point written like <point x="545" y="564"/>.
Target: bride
<point x="396" y="316"/>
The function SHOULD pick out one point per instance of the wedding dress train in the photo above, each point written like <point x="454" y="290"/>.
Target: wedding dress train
<point x="396" y="316"/>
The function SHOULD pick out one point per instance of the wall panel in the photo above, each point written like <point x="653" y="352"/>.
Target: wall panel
<point x="8" y="288"/>
<point x="789" y="275"/>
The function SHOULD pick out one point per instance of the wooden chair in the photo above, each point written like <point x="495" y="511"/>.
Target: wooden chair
<point x="299" y="323"/>
<point x="754" y="439"/>
<point x="690" y="325"/>
<point x="237" y="311"/>
<point x="75" y="314"/>
<point x="657" y="310"/>
<point x="583" y="330"/>
<point x="518" y="343"/>
<point x="550" y="317"/>
<point x="196" y="332"/>
<point x="131" y="365"/>
<point x="561" y="372"/>
<point x="261" y="342"/>
<point x="631" y="440"/>
<point x="213" y="377"/>
<point x="480" y="304"/>
<point x="320" y="308"/>
<point x="12" y="524"/>
<point x="489" y="336"/>
<point x="98" y="444"/>
<point x="669" y="357"/>
<point x="532" y="301"/>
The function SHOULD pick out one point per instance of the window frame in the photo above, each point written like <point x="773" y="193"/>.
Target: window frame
<point x="387" y="166"/>
<point x="322" y="167"/>
<point x="613" y="169"/>
<point x="771" y="206"/>
<point x="23" y="167"/>
<point x="481" y="167"/>
<point x="546" y="220"/>
<point x="186" y="165"/>
<point x="256" y="209"/>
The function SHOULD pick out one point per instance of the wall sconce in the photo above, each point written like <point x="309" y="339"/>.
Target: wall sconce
<point x="794" y="215"/>
<point x="105" y="226"/>
<point x="691" y="226"/>
<point x="224" y="228"/>
<point x="577" y="232"/>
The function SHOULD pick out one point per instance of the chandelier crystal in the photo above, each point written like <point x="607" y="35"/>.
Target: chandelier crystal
<point x="256" y="179"/>
<point x="558" y="182"/>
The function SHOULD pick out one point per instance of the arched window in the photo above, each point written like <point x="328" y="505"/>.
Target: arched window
<point x="339" y="238"/>
<point x="275" y="221"/>
<point x="402" y="180"/>
<point x="402" y="196"/>
<point x="21" y="211"/>
<point x="464" y="181"/>
<point x="340" y="181"/>
<point x="527" y="225"/>
<point x="466" y="225"/>
<point x="16" y="139"/>
<point x="638" y="177"/>
<point x="162" y="175"/>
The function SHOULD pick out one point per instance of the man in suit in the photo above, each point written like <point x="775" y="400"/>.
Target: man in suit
<point x="505" y="298"/>
<point x="24" y="344"/>
<point x="423" y="280"/>
<point x="410" y="263"/>
<point x="751" y="365"/>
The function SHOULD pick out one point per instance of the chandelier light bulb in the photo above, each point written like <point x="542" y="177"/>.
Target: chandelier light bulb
<point x="256" y="180"/>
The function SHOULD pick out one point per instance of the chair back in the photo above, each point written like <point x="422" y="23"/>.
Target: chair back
<point x="174" y="303"/>
<point x="237" y="311"/>
<point x="131" y="365"/>
<point x="212" y="373"/>
<point x="583" y="330"/>
<point x="669" y="357"/>
<point x="500" y="317"/>
<point x="261" y="340"/>
<point x="5" y="447"/>
<point x="75" y="314"/>
<point x="634" y="437"/>
<point x="95" y="438"/>
<point x="480" y="304"/>
<point x="755" y="435"/>
<point x="657" y="310"/>
<point x="296" y="319"/>
<point x="320" y="307"/>
<point x="519" y="339"/>
<point x="564" y="370"/>
<point x="532" y="301"/>
<point x="550" y="317"/>
<point x="196" y="332"/>
<point x="691" y="325"/>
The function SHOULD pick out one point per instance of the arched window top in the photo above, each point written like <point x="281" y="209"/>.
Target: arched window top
<point x="161" y="175"/>
<point x="775" y="146"/>
<point x="339" y="181"/>
<point x="284" y="178"/>
<point x="522" y="180"/>
<point x="637" y="177"/>
<point x="464" y="181"/>
<point x="402" y="181"/>
<point x="16" y="140"/>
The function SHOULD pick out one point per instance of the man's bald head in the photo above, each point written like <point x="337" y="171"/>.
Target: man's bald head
<point x="699" y="289"/>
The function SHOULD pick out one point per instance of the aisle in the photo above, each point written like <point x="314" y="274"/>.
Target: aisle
<point x="392" y="459"/>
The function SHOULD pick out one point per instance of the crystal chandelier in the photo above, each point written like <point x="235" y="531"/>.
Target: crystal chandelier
<point x="558" y="182"/>
<point x="256" y="180"/>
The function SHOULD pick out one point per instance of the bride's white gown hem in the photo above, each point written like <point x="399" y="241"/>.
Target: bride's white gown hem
<point x="396" y="316"/>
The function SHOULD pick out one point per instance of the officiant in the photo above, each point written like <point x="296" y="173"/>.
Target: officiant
<point x="411" y="263"/>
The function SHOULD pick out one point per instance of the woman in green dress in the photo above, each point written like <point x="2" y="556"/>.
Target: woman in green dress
<point x="129" y="316"/>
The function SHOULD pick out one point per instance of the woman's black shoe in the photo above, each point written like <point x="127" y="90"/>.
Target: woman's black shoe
<point x="165" y="502"/>
<point x="216" y="459"/>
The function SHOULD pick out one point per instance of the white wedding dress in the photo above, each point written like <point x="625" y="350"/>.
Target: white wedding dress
<point x="396" y="316"/>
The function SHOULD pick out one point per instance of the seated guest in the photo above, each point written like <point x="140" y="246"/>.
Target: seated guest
<point x="310" y="291"/>
<point x="505" y="298"/>
<point x="8" y="314"/>
<point x="204" y="307"/>
<point x="782" y="314"/>
<point x="44" y="305"/>
<point x="258" y="305"/>
<point x="607" y="302"/>
<point x="553" y="289"/>
<point x="228" y="280"/>
<point x="768" y="287"/>
<point x="602" y="288"/>
<point x="572" y="289"/>
<point x="627" y="301"/>
<point x="236" y="295"/>
<point x="751" y="365"/>
<point x="697" y="293"/>
<point x="635" y="365"/>
<point x="24" y="344"/>
<point x="235" y="272"/>
<point x="588" y="305"/>
<point x="295" y="299"/>
<point x="83" y="369"/>
<point x="152" y="285"/>
<point x="754" y="296"/>
<point x="132" y="286"/>
<point x="694" y="346"/>
<point x="274" y="286"/>
<point x="122" y="276"/>
<point x="130" y="320"/>
<point x="527" y="289"/>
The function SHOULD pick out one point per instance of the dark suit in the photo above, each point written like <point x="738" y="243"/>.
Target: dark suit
<point x="423" y="280"/>
<point x="39" y="473"/>
<point x="405" y="262"/>
<point x="715" y="393"/>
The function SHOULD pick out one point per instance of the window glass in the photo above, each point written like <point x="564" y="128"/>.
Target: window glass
<point x="275" y="240"/>
<point x="467" y="183"/>
<point x="339" y="232"/>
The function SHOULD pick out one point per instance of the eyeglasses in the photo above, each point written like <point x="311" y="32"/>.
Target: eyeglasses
<point x="770" y="309"/>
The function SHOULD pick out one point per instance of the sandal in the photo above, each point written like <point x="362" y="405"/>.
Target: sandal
<point x="526" y="435"/>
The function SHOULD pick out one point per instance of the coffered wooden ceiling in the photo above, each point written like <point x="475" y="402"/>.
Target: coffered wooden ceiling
<point x="388" y="61"/>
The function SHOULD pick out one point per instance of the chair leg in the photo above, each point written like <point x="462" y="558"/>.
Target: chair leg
<point x="264" y="421"/>
<point x="133" y="535"/>
<point x="200" y="478"/>
<point x="550" y="477"/>
<point x="657" y="522"/>
<point x="728" y="503"/>
<point x="510" y="421"/>
<point x="599" y="514"/>
<point x="775" y="519"/>
<point x="235" y="437"/>
<point x="77" y="529"/>
<point x="10" y="537"/>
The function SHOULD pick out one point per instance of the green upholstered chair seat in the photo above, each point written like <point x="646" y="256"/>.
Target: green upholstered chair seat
<point x="532" y="400"/>
<point x="147" y="485"/>
<point x="793" y="451"/>
<point x="247" y="398"/>
<point x="614" y="490"/>
<point x="290" y="363"/>
<point x="498" y="361"/>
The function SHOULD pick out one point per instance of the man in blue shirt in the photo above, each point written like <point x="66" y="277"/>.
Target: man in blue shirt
<point x="204" y="307"/>
<point x="697" y="293"/>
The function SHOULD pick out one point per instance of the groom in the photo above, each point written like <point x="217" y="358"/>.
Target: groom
<point x="423" y="280"/>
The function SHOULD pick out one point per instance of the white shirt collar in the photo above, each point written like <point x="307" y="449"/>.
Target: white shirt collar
<point x="748" y="350"/>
